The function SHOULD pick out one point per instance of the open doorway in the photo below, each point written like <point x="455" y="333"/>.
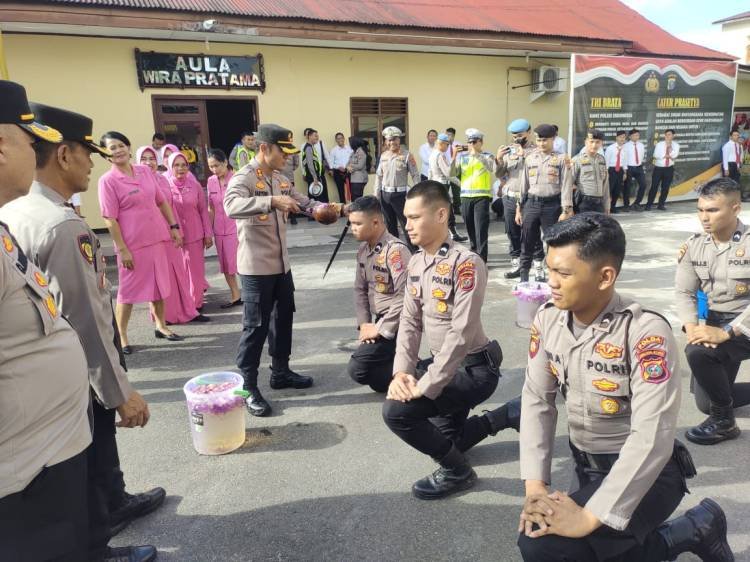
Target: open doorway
<point x="228" y="119"/>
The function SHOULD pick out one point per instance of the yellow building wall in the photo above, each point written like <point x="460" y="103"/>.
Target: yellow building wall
<point x="306" y="87"/>
<point x="742" y="94"/>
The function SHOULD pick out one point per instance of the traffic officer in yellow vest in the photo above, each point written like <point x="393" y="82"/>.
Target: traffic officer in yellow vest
<point x="44" y="388"/>
<point x="392" y="180"/>
<point x="546" y="196"/>
<point x="378" y="292"/>
<point x="589" y="177"/>
<point x="244" y="151"/>
<point x="428" y="409"/>
<point x="716" y="262"/>
<point x="616" y="367"/>
<point x="68" y="252"/>
<point x="475" y="170"/>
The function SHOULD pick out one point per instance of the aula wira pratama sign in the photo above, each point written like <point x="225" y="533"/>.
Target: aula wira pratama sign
<point x="695" y="98"/>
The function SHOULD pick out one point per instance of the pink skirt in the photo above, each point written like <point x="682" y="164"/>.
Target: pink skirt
<point x="148" y="281"/>
<point x="179" y="306"/>
<point x="226" y="249"/>
<point x="193" y="257"/>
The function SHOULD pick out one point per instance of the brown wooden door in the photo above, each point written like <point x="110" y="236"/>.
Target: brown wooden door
<point x="184" y="123"/>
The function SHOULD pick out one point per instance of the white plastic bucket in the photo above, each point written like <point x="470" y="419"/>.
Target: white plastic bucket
<point x="529" y="297"/>
<point x="216" y="413"/>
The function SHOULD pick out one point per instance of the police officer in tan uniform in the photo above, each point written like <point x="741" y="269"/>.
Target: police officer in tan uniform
<point x="392" y="180"/>
<point x="444" y="296"/>
<point x="589" y="176"/>
<point x="718" y="263"/>
<point x="378" y="291"/>
<point x="261" y="200"/>
<point x="546" y="196"/>
<point x="44" y="389"/>
<point x="616" y="367"/>
<point x="68" y="252"/>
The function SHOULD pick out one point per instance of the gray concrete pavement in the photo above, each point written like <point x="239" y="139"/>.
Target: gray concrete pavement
<point x="323" y="479"/>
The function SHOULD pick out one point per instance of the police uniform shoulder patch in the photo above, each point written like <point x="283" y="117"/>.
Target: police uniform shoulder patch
<point x="682" y="252"/>
<point x="533" y="341"/>
<point x="466" y="273"/>
<point x="395" y="261"/>
<point x="86" y="248"/>
<point x="652" y="358"/>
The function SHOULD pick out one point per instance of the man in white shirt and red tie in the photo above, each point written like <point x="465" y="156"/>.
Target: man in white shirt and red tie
<point x="635" y="151"/>
<point x="617" y="168"/>
<point x="731" y="156"/>
<point x="425" y="151"/>
<point x="665" y="153"/>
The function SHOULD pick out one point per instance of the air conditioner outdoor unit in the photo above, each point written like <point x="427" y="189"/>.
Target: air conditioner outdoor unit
<point x="549" y="79"/>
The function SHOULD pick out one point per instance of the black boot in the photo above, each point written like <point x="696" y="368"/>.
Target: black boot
<point x="515" y="269"/>
<point x="507" y="415"/>
<point x="524" y="276"/>
<point x="132" y="506"/>
<point x="454" y="475"/>
<point x="719" y="426"/>
<point x="256" y="404"/>
<point x="283" y="377"/>
<point x="456" y="236"/>
<point x="702" y="531"/>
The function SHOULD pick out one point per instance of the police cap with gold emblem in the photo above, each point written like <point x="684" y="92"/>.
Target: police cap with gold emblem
<point x="270" y="133"/>
<point x="15" y="110"/>
<point x="595" y="134"/>
<point x="73" y="126"/>
<point x="545" y="131"/>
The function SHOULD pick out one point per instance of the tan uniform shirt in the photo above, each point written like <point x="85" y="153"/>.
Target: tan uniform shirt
<point x="261" y="229"/>
<point x="358" y="165"/>
<point x="62" y="245"/>
<point x="722" y="271"/>
<point x="394" y="170"/>
<point x="379" y="283"/>
<point x="621" y="385"/>
<point x="444" y="297"/>
<point x="44" y="387"/>
<point x="590" y="176"/>
<point x="292" y="163"/>
<point x="440" y="166"/>
<point x="545" y="175"/>
<point x="512" y="166"/>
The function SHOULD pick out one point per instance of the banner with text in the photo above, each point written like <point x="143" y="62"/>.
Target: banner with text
<point x="692" y="97"/>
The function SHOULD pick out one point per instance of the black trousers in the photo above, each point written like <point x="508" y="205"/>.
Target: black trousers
<point x="734" y="171"/>
<point x="538" y="214"/>
<point x="372" y="364"/>
<point x="513" y="230"/>
<point x="639" y="542"/>
<point x="358" y="189"/>
<point x="616" y="188"/>
<point x="660" y="177"/>
<point x="432" y="427"/>
<point x="339" y="178"/>
<point x="47" y="520"/>
<point x="456" y="191"/>
<point x="590" y="204"/>
<point x="268" y="311"/>
<point x="323" y="197"/>
<point x="636" y="173"/>
<point x="715" y="371"/>
<point x="452" y="216"/>
<point x="393" y="209"/>
<point x="476" y="213"/>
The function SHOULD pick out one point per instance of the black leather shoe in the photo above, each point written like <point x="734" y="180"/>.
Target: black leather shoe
<point x="289" y="379"/>
<point x="454" y="475"/>
<point x="134" y="506"/>
<point x="702" y="531"/>
<point x="171" y="337"/>
<point x="145" y="553"/>
<point x="507" y="415"/>
<point x="127" y="350"/>
<point x="718" y="426"/>
<point x="661" y="208"/>
<point x="201" y="318"/>
<point x="226" y="305"/>
<point x="647" y="208"/>
<point x="256" y="404"/>
<point x="457" y="237"/>
<point x="513" y="273"/>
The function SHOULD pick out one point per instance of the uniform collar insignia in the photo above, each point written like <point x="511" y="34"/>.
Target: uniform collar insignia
<point x="737" y="236"/>
<point x="378" y="247"/>
<point x="444" y="250"/>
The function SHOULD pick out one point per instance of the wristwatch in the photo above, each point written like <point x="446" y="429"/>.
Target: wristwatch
<point x="174" y="226"/>
<point x="729" y="329"/>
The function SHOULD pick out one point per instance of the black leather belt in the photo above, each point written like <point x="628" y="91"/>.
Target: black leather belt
<point x="601" y="461"/>
<point x="592" y="197"/>
<point x="491" y="355"/>
<point x="538" y="199"/>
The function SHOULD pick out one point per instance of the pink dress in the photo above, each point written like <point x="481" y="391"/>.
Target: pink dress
<point x="132" y="202"/>
<point x="225" y="229"/>
<point x="190" y="203"/>
<point x="179" y="306"/>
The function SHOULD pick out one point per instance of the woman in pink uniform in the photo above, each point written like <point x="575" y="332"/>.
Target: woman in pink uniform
<point x="225" y="229"/>
<point x="131" y="201"/>
<point x="179" y="306"/>
<point x="190" y="202"/>
<point x="164" y="153"/>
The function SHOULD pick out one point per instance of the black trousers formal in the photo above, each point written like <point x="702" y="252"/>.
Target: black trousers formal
<point x="393" y="209"/>
<point x="513" y="230"/>
<point x="734" y="171"/>
<point x="715" y="369"/>
<point x="661" y="177"/>
<point x="639" y="542"/>
<point x="339" y="178"/>
<point x="48" y="520"/>
<point x="588" y="203"/>
<point x="268" y="312"/>
<point x="476" y="213"/>
<point x="358" y="189"/>
<point x="636" y="173"/>
<point x="617" y="188"/>
<point x="456" y="191"/>
<point x="538" y="213"/>
<point x="432" y="427"/>
<point x="372" y="364"/>
<point x="323" y="197"/>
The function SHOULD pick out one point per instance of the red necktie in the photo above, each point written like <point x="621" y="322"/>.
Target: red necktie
<point x="617" y="162"/>
<point x="669" y="149"/>
<point x="737" y="152"/>
<point x="637" y="160"/>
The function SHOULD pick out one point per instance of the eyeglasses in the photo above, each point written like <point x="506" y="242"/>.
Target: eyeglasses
<point x="473" y="141"/>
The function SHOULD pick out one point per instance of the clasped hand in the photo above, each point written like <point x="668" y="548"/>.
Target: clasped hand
<point x="403" y="388"/>
<point x="556" y="514"/>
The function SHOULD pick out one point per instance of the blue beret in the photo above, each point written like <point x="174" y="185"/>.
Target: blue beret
<point x="519" y="126"/>
<point x="444" y="138"/>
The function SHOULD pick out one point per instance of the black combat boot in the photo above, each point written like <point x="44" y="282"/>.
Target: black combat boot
<point x="507" y="415"/>
<point x="454" y="475"/>
<point x="515" y="269"/>
<point x="283" y="377"/>
<point x="456" y="236"/>
<point x="702" y="531"/>
<point x="256" y="404"/>
<point x="719" y="426"/>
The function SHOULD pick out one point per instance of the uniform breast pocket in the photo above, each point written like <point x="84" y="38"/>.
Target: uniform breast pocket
<point x="400" y="164"/>
<point x="382" y="282"/>
<point x="260" y="220"/>
<point x="702" y="273"/>
<point x="441" y="301"/>
<point x="607" y="396"/>
<point x="739" y="280"/>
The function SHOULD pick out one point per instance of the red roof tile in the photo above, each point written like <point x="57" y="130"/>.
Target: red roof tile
<point x="591" y="19"/>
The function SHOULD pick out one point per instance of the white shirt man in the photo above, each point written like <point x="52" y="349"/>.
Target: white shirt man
<point x="339" y="157"/>
<point x="731" y="156"/>
<point x="559" y="145"/>
<point x="615" y="156"/>
<point x="665" y="155"/>
<point x="634" y="152"/>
